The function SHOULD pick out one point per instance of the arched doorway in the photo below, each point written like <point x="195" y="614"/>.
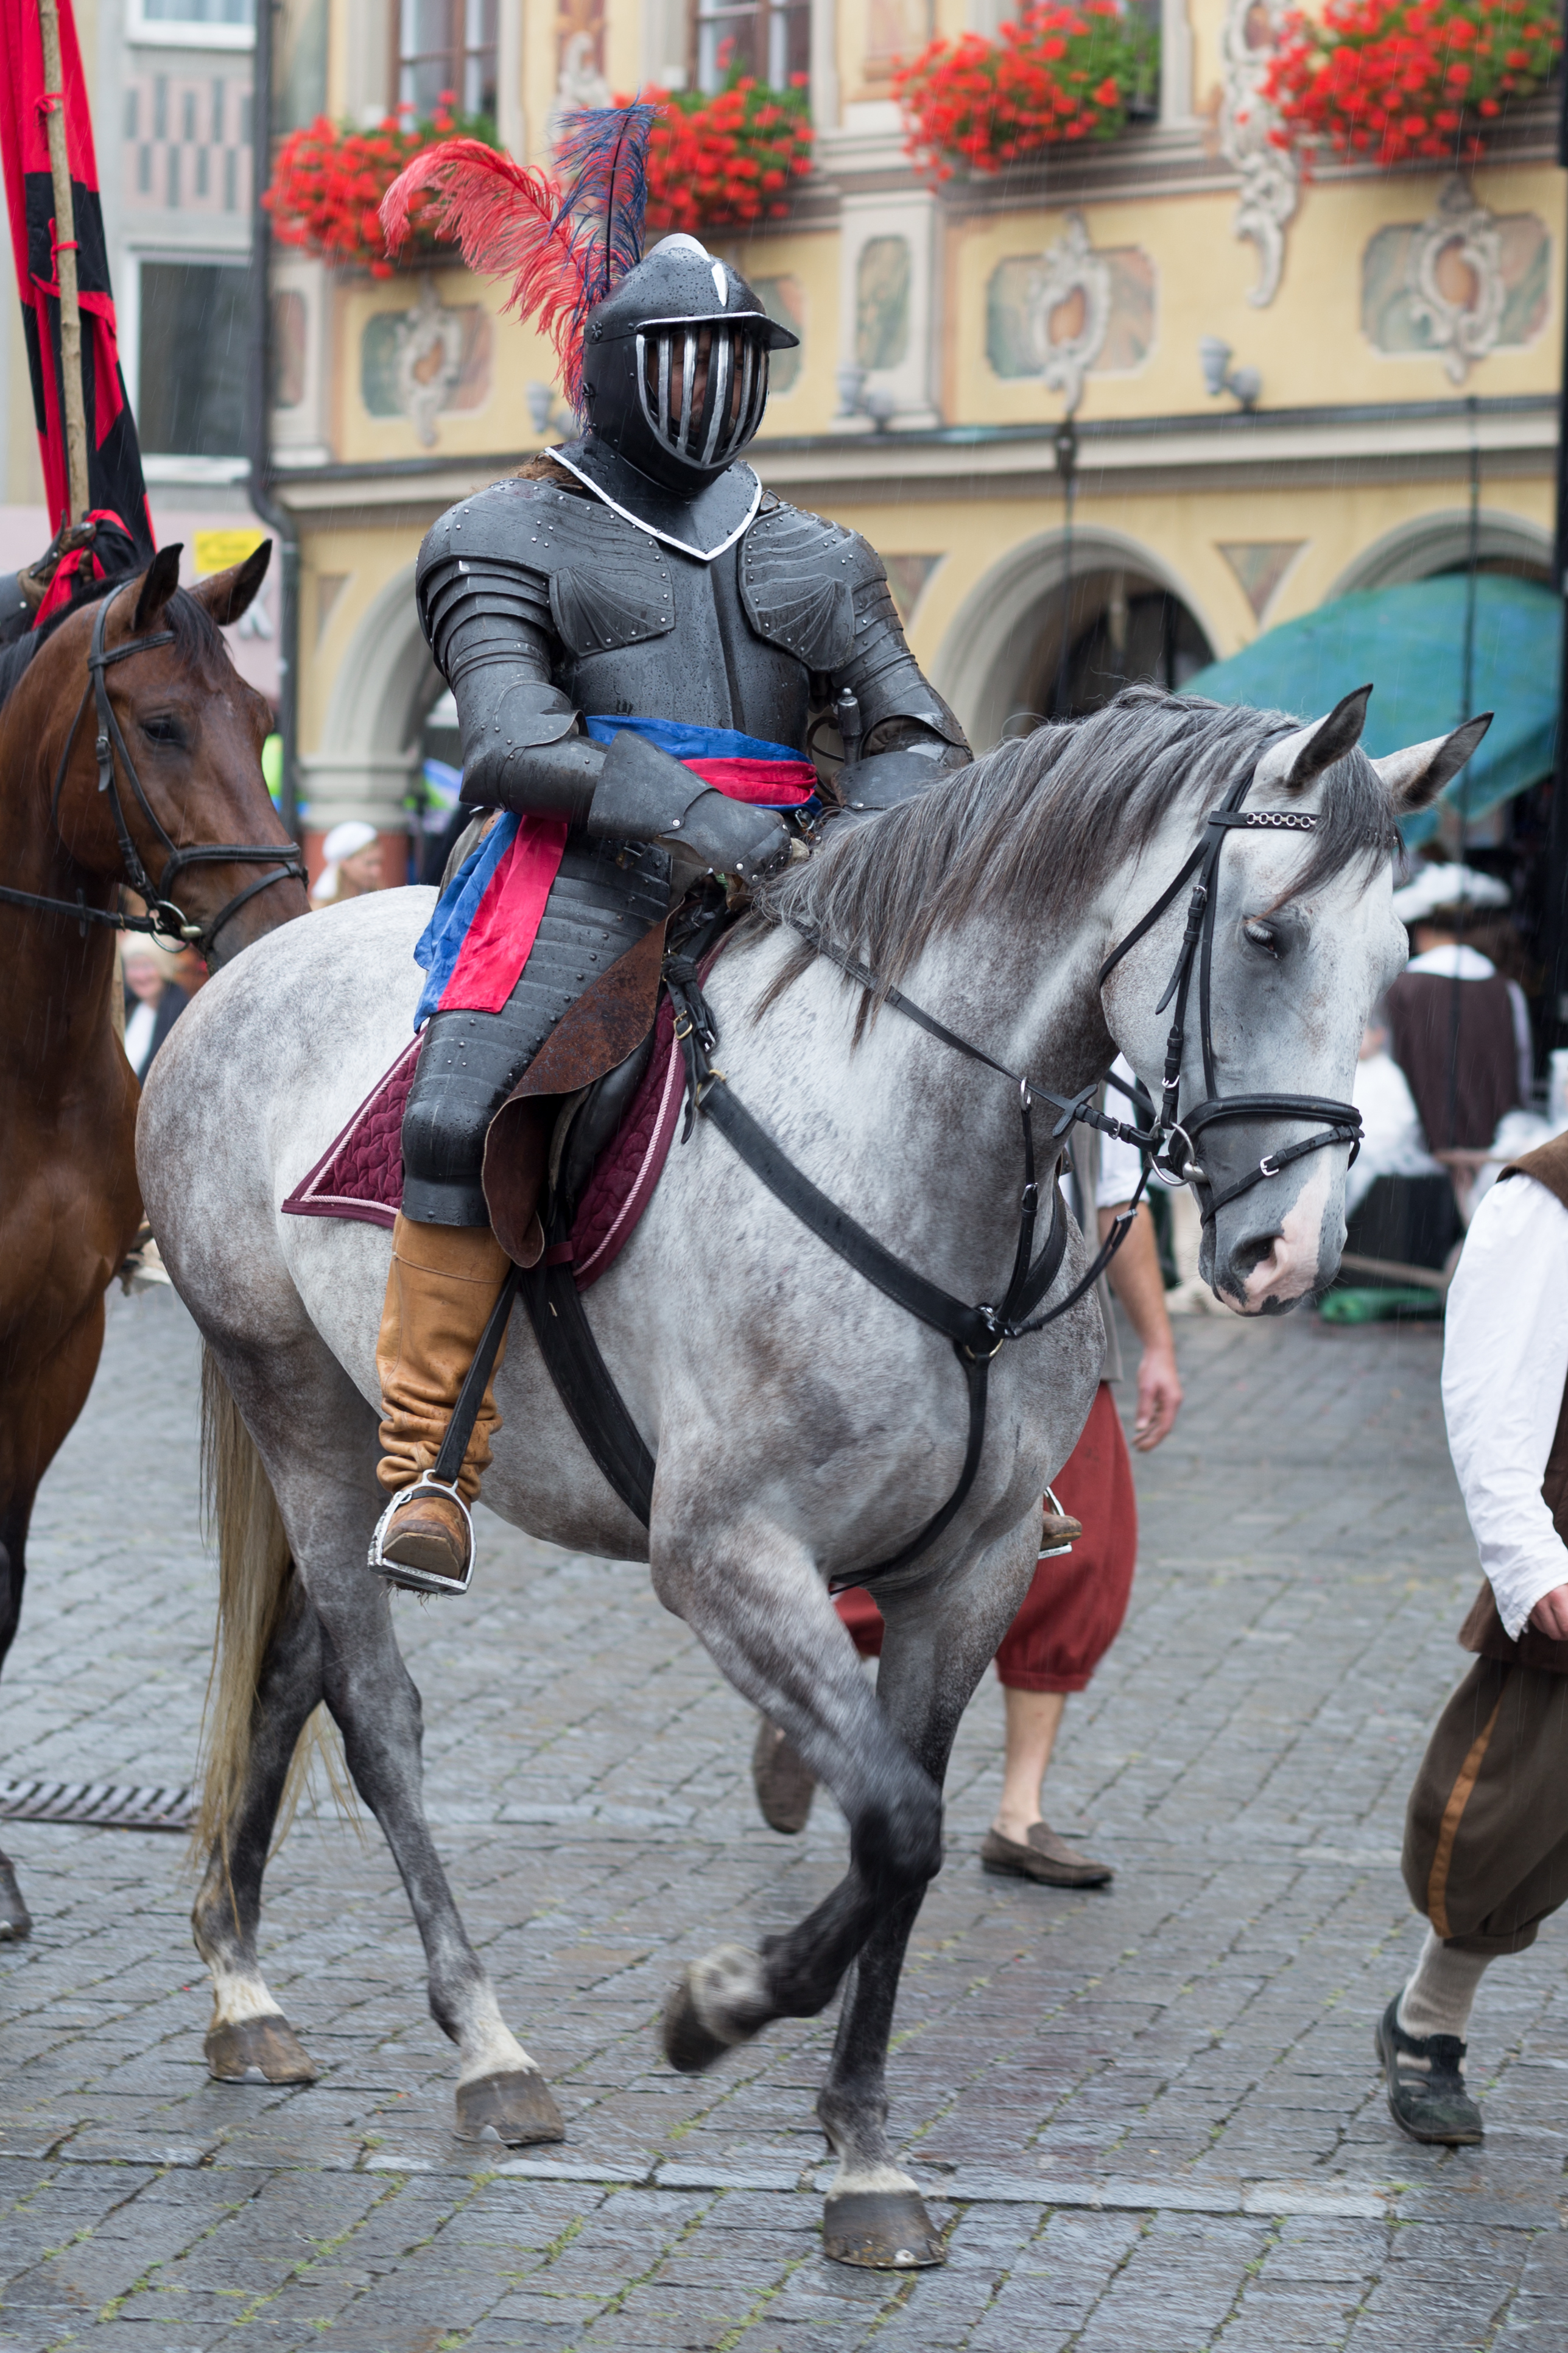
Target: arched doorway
<point x="1059" y="629"/>
<point x="1103" y="630"/>
<point x="370" y="750"/>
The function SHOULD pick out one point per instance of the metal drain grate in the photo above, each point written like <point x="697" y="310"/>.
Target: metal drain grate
<point x="98" y="1805"/>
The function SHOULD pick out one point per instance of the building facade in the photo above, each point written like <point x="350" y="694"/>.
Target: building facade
<point x="1404" y="327"/>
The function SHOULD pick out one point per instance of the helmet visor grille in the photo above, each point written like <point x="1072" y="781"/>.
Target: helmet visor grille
<point x="702" y="388"/>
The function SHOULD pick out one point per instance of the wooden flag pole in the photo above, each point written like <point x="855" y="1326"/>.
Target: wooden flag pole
<point x="64" y="263"/>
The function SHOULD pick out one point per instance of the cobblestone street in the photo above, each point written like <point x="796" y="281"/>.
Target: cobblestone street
<point x="1151" y="2119"/>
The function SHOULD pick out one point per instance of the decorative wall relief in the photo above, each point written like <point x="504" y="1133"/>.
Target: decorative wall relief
<point x="784" y="298"/>
<point x="1270" y="175"/>
<point x="882" y="275"/>
<point x="426" y="362"/>
<point x="1460" y="284"/>
<point x="1076" y="310"/>
<point x="1259" y="565"/>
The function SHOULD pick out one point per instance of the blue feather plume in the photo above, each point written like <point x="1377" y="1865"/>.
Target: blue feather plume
<point x="601" y="162"/>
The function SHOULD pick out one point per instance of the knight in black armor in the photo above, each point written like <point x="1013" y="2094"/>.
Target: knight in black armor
<point x="635" y="590"/>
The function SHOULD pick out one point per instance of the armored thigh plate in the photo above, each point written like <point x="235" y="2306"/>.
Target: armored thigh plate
<point x="602" y="899"/>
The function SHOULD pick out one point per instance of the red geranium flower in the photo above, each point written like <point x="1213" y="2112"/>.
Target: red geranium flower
<point x="1372" y="76"/>
<point x="328" y="180"/>
<point x="1060" y="71"/>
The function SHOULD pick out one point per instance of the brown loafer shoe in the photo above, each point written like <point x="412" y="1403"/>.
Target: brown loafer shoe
<point x="1047" y="1857"/>
<point x="429" y="1535"/>
<point x="783" y="1781"/>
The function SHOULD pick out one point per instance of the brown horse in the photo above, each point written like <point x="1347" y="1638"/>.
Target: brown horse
<point x="130" y="753"/>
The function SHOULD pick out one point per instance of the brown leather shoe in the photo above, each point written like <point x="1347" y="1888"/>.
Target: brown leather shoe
<point x="783" y="1781"/>
<point x="1047" y="1857"/>
<point x="429" y="1534"/>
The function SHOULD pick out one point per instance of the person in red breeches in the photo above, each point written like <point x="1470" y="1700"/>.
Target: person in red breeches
<point x="1075" y="1606"/>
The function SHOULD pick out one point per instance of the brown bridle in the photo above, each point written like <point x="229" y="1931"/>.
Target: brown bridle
<point x="166" y="920"/>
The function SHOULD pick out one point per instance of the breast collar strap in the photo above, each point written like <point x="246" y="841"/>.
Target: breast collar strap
<point x="164" y="920"/>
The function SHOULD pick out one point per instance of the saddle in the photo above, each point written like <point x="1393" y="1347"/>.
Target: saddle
<point x="544" y="1142"/>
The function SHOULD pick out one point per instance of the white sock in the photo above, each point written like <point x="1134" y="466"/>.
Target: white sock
<point x="1438" y="1997"/>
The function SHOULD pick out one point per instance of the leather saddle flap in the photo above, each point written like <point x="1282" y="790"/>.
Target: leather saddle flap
<point x="608" y="1021"/>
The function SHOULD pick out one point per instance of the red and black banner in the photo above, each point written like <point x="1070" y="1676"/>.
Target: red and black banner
<point x="115" y="484"/>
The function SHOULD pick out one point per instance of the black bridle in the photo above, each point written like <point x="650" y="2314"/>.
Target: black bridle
<point x="980" y="1332"/>
<point x="1197" y="948"/>
<point x="164" y="920"/>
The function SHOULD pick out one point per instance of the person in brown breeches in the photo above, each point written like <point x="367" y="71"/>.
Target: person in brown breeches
<point x="1486" y="1838"/>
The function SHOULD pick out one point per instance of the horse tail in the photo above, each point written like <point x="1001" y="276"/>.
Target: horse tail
<point x="259" y="1590"/>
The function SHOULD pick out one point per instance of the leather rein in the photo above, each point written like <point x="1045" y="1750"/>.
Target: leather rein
<point x="164" y="920"/>
<point x="979" y="1332"/>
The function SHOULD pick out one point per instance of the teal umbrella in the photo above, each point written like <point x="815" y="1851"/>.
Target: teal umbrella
<point x="1410" y="642"/>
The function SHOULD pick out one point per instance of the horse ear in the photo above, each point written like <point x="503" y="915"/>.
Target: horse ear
<point x="162" y="580"/>
<point x="1416" y="775"/>
<point x="1296" y="760"/>
<point x="226" y="594"/>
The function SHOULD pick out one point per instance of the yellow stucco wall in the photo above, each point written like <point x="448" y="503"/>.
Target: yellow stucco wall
<point x="1309" y="343"/>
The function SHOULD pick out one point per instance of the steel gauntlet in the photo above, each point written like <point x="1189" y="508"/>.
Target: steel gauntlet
<point x="645" y="796"/>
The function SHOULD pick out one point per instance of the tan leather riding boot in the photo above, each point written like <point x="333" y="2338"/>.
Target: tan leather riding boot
<point x="440" y="1289"/>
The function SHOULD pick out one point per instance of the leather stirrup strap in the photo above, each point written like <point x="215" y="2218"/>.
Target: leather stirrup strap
<point x="448" y="1462"/>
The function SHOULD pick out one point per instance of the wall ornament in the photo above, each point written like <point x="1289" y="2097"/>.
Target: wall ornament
<point x="1454" y="275"/>
<point x="1270" y="174"/>
<point x="1075" y="279"/>
<point x="428" y="360"/>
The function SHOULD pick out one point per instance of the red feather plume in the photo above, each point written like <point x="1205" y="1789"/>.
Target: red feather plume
<point x="510" y="221"/>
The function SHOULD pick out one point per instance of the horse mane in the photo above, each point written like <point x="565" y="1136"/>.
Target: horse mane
<point x="1050" y="816"/>
<point x="196" y="635"/>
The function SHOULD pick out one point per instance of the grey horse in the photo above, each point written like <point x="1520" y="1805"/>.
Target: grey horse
<point x="805" y="1427"/>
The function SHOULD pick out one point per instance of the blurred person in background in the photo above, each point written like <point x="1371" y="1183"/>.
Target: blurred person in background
<point x="1391" y="1141"/>
<point x="1075" y="1606"/>
<point x="153" y="999"/>
<point x="353" y="866"/>
<point x="1461" y="1032"/>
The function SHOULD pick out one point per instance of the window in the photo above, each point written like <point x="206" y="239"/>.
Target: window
<point x="194" y="24"/>
<point x="447" y="45"/>
<point x="192" y="338"/>
<point x="769" y="39"/>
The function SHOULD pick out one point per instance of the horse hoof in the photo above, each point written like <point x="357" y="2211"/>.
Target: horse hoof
<point x="726" y="1984"/>
<point x="881" y="2231"/>
<point x="15" y="1920"/>
<point x="515" y="2107"/>
<point x="689" y="2045"/>
<point x="257" y="2051"/>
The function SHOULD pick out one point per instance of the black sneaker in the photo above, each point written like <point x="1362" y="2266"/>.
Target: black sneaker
<point x="1427" y="2095"/>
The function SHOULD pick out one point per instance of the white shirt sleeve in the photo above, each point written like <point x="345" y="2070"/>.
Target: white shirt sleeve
<point x="1120" y="1164"/>
<point x="1505" y="1362"/>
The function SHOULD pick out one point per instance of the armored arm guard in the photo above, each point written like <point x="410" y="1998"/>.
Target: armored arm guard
<point x="820" y="591"/>
<point x="487" y="617"/>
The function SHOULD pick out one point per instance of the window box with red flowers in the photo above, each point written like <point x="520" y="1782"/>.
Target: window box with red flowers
<point x="1398" y="81"/>
<point x="1059" y="73"/>
<point x="729" y="158"/>
<point x="327" y="181"/>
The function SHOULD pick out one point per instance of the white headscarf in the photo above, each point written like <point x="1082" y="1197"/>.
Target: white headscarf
<point x="345" y="840"/>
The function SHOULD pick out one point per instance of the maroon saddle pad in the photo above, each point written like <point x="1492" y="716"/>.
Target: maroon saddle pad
<point x="360" y="1174"/>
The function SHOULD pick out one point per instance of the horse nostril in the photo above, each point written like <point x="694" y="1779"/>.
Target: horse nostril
<point x="1248" y="1256"/>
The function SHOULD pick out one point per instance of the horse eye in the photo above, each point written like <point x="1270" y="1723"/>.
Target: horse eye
<point x="1261" y="934"/>
<point x="163" y="731"/>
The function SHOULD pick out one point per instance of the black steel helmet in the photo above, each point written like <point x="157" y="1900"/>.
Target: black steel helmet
<point x="675" y="365"/>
